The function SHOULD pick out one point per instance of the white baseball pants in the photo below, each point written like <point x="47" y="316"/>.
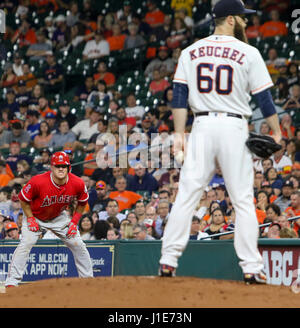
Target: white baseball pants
<point x="58" y="226"/>
<point x="212" y="138"/>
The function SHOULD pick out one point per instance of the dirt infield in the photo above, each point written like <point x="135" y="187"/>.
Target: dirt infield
<point x="147" y="292"/>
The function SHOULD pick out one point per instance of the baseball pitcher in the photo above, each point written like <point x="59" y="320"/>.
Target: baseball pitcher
<point x="216" y="76"/>
<point x="44" y="200"/>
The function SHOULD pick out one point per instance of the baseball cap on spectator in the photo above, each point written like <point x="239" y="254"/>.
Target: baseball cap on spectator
<point x="99" y="109"/>
<point x="64" y="102"/>
<point x="89" y="105"/>
<point x="50" y="115"/>
<point x="48" y="19"/>
<point x="161" y="103"/>
<point x="225" y="8"/>
<point x="288" y="183"/>
<point x="266" y="184"/>
<point x="68" y="151"/>
<point x="11" y="226"/>
<point x="10" y="90"/>
<point x="163" y="128"/>
<point x="49" y="53"/>
<point x="100" y="184"/>
<point x="149" y="223"/>
<point x="45" y="150"/>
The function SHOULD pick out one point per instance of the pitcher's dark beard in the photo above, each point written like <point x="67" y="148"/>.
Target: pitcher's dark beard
<point x="239" y="32"/>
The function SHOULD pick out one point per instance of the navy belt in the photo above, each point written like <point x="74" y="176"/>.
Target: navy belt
<point x="216" y="114"/>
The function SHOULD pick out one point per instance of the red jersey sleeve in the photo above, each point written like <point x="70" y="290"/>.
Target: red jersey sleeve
<point x="27" y="193"/>
<point x="83" y="194"/>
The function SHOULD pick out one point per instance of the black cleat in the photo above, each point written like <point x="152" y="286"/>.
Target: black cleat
<point x="166" y="271"/>
<point x="255" y="278"/>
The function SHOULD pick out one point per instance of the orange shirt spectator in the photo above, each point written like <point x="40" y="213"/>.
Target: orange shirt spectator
<point x="24" y="35"/>
<point x="158" y="83"/>
<point x="252" y="31"/>
<point x="102" y="74"/>
<point x="43" y="5"/>
<point x="86" y="170"/>
<point x="6" y="174"/>
<point x="274" y="26"/>
<point x="116" y="41"/>
<point x="154" y="17"/>
<point x="126" y="199"/>
<point x="261" y="215"/>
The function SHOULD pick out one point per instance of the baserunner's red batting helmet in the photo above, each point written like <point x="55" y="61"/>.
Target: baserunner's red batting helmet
<point x="60" y="158"/>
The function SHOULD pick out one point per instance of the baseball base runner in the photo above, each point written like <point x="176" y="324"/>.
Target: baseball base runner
<point x="216" y="75"/>
<point x="44" y="200"/>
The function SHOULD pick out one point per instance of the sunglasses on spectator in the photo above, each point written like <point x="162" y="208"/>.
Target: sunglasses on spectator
<point x="62" y="166"/>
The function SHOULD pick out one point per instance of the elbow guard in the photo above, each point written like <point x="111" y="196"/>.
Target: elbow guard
<point x="180" y="95"/>
<point x="265" y="103"/>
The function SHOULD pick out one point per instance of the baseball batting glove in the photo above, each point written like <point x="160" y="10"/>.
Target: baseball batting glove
<point x="32" y="224"/>
<point x="72" y="230"/>
<point x="262" y="146"/>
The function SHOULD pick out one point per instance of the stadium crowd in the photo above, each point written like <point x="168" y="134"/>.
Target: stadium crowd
<point x="74" y="71"/>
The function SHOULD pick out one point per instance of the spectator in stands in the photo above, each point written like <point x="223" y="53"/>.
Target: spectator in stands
<point x="284" y="200"/>
<point x="28" y="77"/>
<point x="15" y="155"/>
<point x="126" y="199"/>
<point x="253" y="30"/>
<point x="42" y="162"/>
<point x="64" y="113"/>
<point x="52" y="75"/>
<point x="8" y="78"/>
<point x="280" y="160"/>
<point x="130" y="122"/>
<point x="84" y="129"/>
<point x="96" y="48"/>
<point x="196" y="233"/>
<point x="274" y="231"/>
<point x="43" y="138"/>
<point x="293" y="100"/>
<point x="33" y="123"/>
<point x="132" y="109"/>
<point x="154" y="16"/>
<point x="49" y="27"/>
<point x="87" y="13"/>
<point x="125" y="11"/>
<point x="36" y="94"/>
<point x="126" y="230"/>
<point x="273" y="27"/>
<point x="101" y="94"/>
<point x="38" y="50"/>
<point x="162" y="32"/>
<point x="144" y="29"/>
<point x="24" y="35"/>
<point x="179" y="34"/>
<point x="73" y="17"/>
<point x="76" y="38"/>
<point x="187" y="19"/>
<point x="50" y="118"/>
<point x="17" y="64"/>
<point x="158" y="83"/>
<point x="117" y="40"/>
<point x="133" y="40"/>
<point x="18" y="134"/>
<point x="100" y="230"/>
<point x="98" y="197"/>
<point x="263" y="200"/>
<point x="82" y="91"/>
<point x="140" y="232"/>
<point x="162" y="62"/>
<point x="113" y="234"/>
<point x="6" y="173"/>
<point x="63" y="136"/>
<point x="293" y="75"/>
<point x="274" y="62"/>
<point x="132" y="218"/>
<point x="274" y="179"/>
<point x="112" y="209"/>
<point x="86" y="227"/>
<point x="282" y="91"/>
<point x="217" y="224"/>
<point x="22" y="95"/>
<point x="12" y="231"/>
<point x="60" y="35"/>
<point x="186" y="4"/>
<point x="103" y="74"/>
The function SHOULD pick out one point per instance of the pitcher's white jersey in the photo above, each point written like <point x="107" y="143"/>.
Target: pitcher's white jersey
<point x="221" y="72"/>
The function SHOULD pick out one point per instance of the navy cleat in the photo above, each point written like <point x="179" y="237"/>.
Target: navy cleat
<point x="255" y="278"/>
<point x="166" y="271"/>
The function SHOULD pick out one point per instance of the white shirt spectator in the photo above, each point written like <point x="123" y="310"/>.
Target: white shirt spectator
<point x="103" y="216"/>
<point x="135" y="111"/>
<point x="96" y="50"/>
<point x="284" y="161"/>
<point x="83" y="130"/>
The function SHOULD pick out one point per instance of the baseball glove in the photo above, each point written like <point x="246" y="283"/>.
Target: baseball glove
<point x="262" y="146"/>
